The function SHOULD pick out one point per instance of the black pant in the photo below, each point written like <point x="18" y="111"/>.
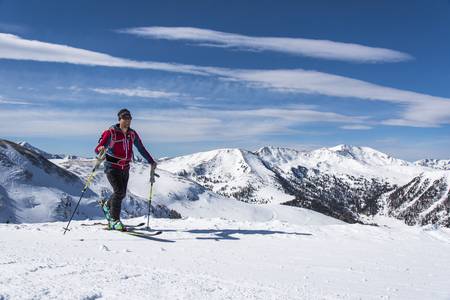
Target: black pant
<point x="119" y="181"/>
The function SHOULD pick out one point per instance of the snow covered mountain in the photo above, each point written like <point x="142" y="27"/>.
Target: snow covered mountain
<point x="235" y="173"/>
<point x="343" y="160"/>
<point x="440" y="164"/>
<point x="39" y="151"/>
<point x="176" y="196"/>
<point x="32" y="189"/>
<point x="345" y="182"/>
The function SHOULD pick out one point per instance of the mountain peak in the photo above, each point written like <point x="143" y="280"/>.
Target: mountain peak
<point x="342" y="147"/>
<point x="24" y="144"/>
<point x="354" y="149"/>
<point x="274" y="154"/>
<point x="39" y="151"/>
<point x="365" y="155"/>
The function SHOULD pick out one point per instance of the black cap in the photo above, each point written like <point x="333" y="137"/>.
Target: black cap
<point x="123" y="112"/>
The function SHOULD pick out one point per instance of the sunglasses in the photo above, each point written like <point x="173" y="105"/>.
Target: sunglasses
<point x="126" y="117"/>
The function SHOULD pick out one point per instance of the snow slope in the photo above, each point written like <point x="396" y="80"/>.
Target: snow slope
<point x="222" y="259"/>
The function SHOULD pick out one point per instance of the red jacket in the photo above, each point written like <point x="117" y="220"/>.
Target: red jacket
<point x="119" y="147"/>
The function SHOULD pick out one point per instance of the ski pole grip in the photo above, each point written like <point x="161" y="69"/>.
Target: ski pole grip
<point x="102" y="154"/>
<point x="99" y="159"/>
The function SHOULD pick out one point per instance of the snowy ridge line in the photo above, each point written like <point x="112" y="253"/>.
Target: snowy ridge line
<point x="216" y="183"/>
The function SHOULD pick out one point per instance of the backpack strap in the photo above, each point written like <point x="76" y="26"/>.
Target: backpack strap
<point x="132" y="135"/>
<point x="113" y="138"/>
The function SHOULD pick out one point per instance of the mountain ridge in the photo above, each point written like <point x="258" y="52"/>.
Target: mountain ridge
<point x="345" y="182"/>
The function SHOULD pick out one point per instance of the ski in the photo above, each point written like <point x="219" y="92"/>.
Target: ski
<point x="148" y="236"/>
<point x="129" y="228"/>
<point x="104" y="224"/>
<point x="148" y="233"/>
<point x="137" y="231"/>
<point x="142" y="228"/>
<point x="144" y="235"/>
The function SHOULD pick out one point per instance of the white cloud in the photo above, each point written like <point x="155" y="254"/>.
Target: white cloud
<point x="13" y="101"/>
<point x="323" y="49"/>
<point x="300" y="115"/>
<point x="356" y="127"/>
<point x="420" y="110"/>
<point x="313" y="82"/>
<point x="15" y="47"/>
<point x="185" y="127"/>
<point x="137" y="92"/>
<point x="414" y="109"/>
<point x="231" y="125"/>
<point x="408" y="123"/>
<point x="168" y="125"/>
<point x="50" y="123"/>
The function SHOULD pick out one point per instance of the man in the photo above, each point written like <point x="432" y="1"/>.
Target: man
<point x="117" y="142"/>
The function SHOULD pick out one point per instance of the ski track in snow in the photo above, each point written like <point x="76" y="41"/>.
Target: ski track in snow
<point x="224" y="259"/>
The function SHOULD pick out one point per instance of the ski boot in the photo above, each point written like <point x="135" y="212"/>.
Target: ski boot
<point x="116" y="225"/>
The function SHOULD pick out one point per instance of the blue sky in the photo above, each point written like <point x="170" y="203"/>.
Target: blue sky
<point x="201" y="75"/>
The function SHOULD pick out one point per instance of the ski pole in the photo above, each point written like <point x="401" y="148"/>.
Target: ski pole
<point x="150" y="195"/>
<point x="100" y="158"/>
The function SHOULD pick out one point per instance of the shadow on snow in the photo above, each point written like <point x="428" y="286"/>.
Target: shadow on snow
<point x="227" y="234"/>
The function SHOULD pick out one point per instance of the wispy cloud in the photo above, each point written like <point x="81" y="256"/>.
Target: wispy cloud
<point x="323" y="49"/>
<point x="15" y="47"/>
<point x="197" y="125"/>
<point x="13" y="101"/>
<point x="424" y="112"/>
<point x="137" y="92"/>
<point x="356" y="127"/>
<point x="164" y="125"/>
<point x="414" y="109"/>
<point x="419" y="110"/>
<point x="300" y="115"/>
<point x="227" y="125"/>
<point x="39" y="122"/>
